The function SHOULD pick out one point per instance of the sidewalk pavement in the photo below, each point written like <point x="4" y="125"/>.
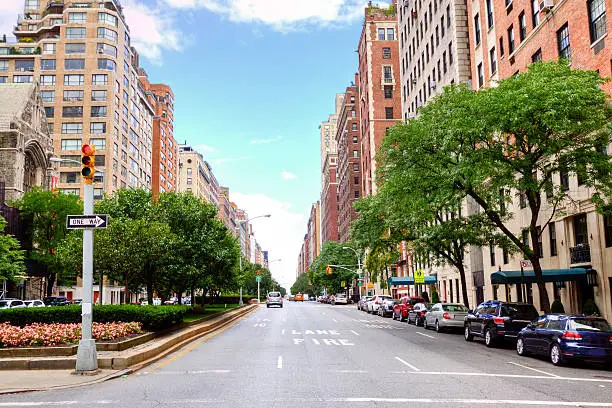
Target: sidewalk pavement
<point x="55" y="372"/>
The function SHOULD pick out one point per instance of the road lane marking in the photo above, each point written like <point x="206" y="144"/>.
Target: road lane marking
<point x="187" y="372"/>
<point x="279" y="362"/>
<point x="426" y="335"/>
<point x="283" y="332"/>
<point x="349" y="371"/>
<point x="315" y="341"/>
<point x="536" y="377"/>
<point x="335" y="320"/>
<point x="534" y="369"/>
<point x="355" y="333"/>
<point x="470" y="401"/>
<point x="407" y="364"/>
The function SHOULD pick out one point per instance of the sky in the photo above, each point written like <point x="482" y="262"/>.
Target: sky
<point x="253" y="80"/>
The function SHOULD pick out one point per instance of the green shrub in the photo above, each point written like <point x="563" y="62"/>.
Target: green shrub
<point x="557" y="307"/>
<point x="425" y="296"/>
<point x="590" y="308"/>
<point x="226" y="299"/>
<point x="435" y="298"/>
<point x="153" y="318"/>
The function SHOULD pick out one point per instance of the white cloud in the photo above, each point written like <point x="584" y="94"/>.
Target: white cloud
<point x="285" y="175"/>
<point x="9" y="9"/>
<point x="152" y="30"/>
<point x="266" y="141"/>
<point x="282" y="15"/>
<point x="281" y="235"/>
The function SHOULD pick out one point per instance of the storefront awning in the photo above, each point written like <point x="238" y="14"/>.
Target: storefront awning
<point x="549" y="275"/>
<point x="409" y="280"/>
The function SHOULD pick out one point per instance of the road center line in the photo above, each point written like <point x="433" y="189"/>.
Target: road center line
<point x="279" y="363"/>
<point x="534" y="369"/>
<point x="355" y="333"/>
<point x="407" y="364"/>
<point x="426" y="335"/>
<point x="283" y="332"/>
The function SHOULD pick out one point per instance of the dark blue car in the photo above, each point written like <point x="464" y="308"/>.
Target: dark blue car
<point x="564" y="338"/>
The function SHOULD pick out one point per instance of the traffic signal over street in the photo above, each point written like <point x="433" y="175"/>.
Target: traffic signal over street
<point x="88" y="161"/>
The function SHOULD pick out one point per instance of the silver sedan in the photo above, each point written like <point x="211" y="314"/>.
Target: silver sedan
<point x="443" y="316"/>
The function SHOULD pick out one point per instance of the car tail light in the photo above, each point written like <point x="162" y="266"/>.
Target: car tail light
<point x="610" y="339"/>
<point x="376" y="302"/>
<point x="499" y="320"/>
<point x="446" y="316"/>
<point x="572" y="336"/>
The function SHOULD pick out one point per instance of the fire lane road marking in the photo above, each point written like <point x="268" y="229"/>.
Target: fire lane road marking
<point x="279" y="363"/>
<point x="534" y="369"/>
<point x="407" y="364"/>
<point x="355" y="333"/>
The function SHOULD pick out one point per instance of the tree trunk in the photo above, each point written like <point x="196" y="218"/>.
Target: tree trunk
<point x="464" y="291"/>
<point x="150" y="291"/>
<point x="544" y="300"/>
<point x="192" y="292"/>
<point x="50" y="283"/>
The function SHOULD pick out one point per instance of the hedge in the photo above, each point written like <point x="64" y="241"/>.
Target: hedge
<point x="153" y="318"/>
<point x="225" y="299"/>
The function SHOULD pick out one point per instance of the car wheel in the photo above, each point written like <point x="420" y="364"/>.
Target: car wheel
<point x="490" y="337"/>
<point x="520" y="347"/>
<point x="556" y="355"/>
<point x="425" y="325"/>
<point x="438" y="330"/>
<point x="467" y="334"/>
<point x="268" y="306"/>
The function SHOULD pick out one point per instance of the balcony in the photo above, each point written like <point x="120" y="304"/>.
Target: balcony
<point x="580" y="254"/>
<point x="55" y="5"/>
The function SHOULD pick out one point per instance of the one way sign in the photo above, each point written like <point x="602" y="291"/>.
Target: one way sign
<point x="87" y="221"/>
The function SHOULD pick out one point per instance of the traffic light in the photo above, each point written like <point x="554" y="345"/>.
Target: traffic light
<point x="328" y="270"/>
<point x="259" y="272"/>
<point x="89" y="163"/>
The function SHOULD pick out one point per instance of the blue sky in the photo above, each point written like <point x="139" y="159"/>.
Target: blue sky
<point x="252" y="79"/>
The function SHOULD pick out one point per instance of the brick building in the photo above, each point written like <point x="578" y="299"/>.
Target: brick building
<point x="329" y="199"/>
<point x="379" y="86"/>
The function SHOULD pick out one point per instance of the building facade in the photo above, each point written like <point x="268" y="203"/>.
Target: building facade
<point x="195" y="175"/>
<point x="329" y="200"/>
<point x="327" y="132"/>
<point x="314" y="232"/>
<point x="379" y="86"/>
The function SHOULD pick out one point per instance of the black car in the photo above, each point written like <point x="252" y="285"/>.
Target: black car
<point x="56" y="301"/>
<point x="496" y="320"/>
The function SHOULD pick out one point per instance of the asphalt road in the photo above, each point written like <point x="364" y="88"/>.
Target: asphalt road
<point x="314" y="355"/>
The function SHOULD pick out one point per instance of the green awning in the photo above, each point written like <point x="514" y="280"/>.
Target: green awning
<point x="409" y="280"/>
<point x="549" y="275"/>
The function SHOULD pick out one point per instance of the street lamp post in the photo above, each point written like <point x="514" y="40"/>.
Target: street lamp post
<point x="240" y="302"/>
<point x="358" y="264"/>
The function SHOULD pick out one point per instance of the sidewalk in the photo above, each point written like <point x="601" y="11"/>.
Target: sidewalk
<point x="43" y="373"/>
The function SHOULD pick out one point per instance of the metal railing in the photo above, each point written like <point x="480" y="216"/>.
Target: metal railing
<point x="580" y="254"/>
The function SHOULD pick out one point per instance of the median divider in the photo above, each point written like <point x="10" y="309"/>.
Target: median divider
<point x="132" y="353"/>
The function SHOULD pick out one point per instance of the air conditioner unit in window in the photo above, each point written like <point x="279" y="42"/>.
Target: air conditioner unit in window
<point x="432" y="85"/>
<point x="546" y="5"/>
<point x="414" y="81"/>
<point x="414" y="14"/>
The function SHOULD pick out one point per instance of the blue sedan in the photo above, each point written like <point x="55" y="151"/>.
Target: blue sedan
<point x="563" y="338"/>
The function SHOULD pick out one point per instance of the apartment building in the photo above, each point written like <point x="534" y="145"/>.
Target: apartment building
<point x="195" y="175"/>
<point x="329" y="200"/>
<point x="314" y="232"/>
<point x="433" y="43"/>
<point x="379" y="86"/>
<point x="79" y="51"/>
<point x="577" y="244"/>
<point x="348" y="171"/>
<point x="227" y="210"/>
<point x="327" y="132"/>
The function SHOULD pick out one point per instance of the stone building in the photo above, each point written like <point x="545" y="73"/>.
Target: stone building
<point x="25" y="143"/>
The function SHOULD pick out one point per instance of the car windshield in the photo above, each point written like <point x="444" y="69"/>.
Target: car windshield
<point x="274" y="294"/>
<point x="3" y="303"/>
<point x="521" y="312"/>
<point x="454" y="308"/>
<point x="590" y="324"/>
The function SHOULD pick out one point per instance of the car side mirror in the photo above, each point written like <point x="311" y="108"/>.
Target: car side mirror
<point x="531" y="326"/>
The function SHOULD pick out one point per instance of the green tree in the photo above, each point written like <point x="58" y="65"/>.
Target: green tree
<point x="332" y="253"/>
<point x="11" y="256"/>
<point x="44" y="214"/>
<point x="301" y="284"/>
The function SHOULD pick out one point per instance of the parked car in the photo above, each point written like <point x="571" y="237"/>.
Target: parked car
<point x="274" y="299"/>
<point x="496" y="320"/>
<point x="34" y="303"/>
<point x="56" y="301"/>
<point x="362" y="301"/>
<point x="444" y="316"/>
<point x="403" y="306"/>
<point x="77" y="301"/>
<point x="157" y="301"/>
<point x="372" y="304"/>
<point x="417" y="313"/>
<point x="563" y="338"/>
<point x="340" y="299"/>
<point x="386" y="307"/>
<point x="11" y="304"/>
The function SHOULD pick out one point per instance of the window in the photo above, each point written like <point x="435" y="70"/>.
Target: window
<point x="563" y="42"/>
<point x="381" y="34"/>
<point x="45" y="65"/>
<point x="47" y="80"/>
<point x="49" y="111"/>
<point x="525" y="237"/>
<point x="355" y="154"/>
<point x="597" y="19"/>
<point x="75" y="48"/>
<point x="501" y="47"/>
<point x="99" y="144"/>
<point x="489" y="13"/>
<point x="49" y="49"/>
<point x="72" y="128"/>
<point x="552" y="236"/>
<point x="535" y="12"/>
<point x="505" y="256"/>
<point x="106" y="64"/>
<point x="493" y="60"/>
<point x="522" y="200"/>
<point x="356" y="194"/>
<point x="98" y="111"/>
<point x="354" y="129"/>
<point x="22" y="79"/>
<point x="107" y="49"/>
<point x="386" y="53"/>
<point x="73" y="80"/>
<point x="80" y="18"/>
<point x="69" y="177"/>
<point x="72" y="111"/>
<point x="71" y="144"/>
<point x="74" y="64"/>
<point x="97" y="128"/>
<point x="98" y="96"/>
<point x="448" y="17"/>
<point x="73" y="158"/>
<point x="388" y="93"/>
<point x="444" y="66"/>
<point x="511" y="39"/>
<point x="540" y="246"/>
<point x="32" y="4"/>
<point x="537" y="56"/>
<point x="72" y="96"/>
<point x="47" y="96"/>
<point x="388" y="113"/>
<point x="608" y="230"/>
<point x="99" y="79"/>
<point x="563" y="178"/>
<point x="24" y="65"/>
<point x="492" y="253"/>
<point x="477" y="29"/>
<point x="107" y="34"/>
<point x="390" y="34"/>
<point x="387" y="74"/>
<point x="106" y="18"/>
<point x="522" y="26"/>
<point x="450" y="53"/>
<point x="480" y="76"/>
<point x="355" y="167"/>
<point x="73" y="33"/>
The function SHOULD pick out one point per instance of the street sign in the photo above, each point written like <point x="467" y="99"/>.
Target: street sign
<point x="87" y="221"/>
<point x="419" y="276"/>
<point x="525" y="263"/>
<point x="360" y="283"/>
<point x="370" y="285"/>
<point x="258" y="279"/>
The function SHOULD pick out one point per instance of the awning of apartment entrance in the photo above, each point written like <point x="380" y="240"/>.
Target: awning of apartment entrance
<point x="409" y="280"/>
<point x="548" y="275"/>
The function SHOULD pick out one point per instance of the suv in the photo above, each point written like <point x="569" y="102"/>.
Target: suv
<point x="11" y="304"/>
<point x="56" y="301"/>
<point x="373" y="304"/>
<point x="495" y="320"/>
<point x="274" y="299"/>
<point x="340" y="299"/>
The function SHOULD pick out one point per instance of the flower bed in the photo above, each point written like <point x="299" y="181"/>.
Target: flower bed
<point x="57" y="334"/>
